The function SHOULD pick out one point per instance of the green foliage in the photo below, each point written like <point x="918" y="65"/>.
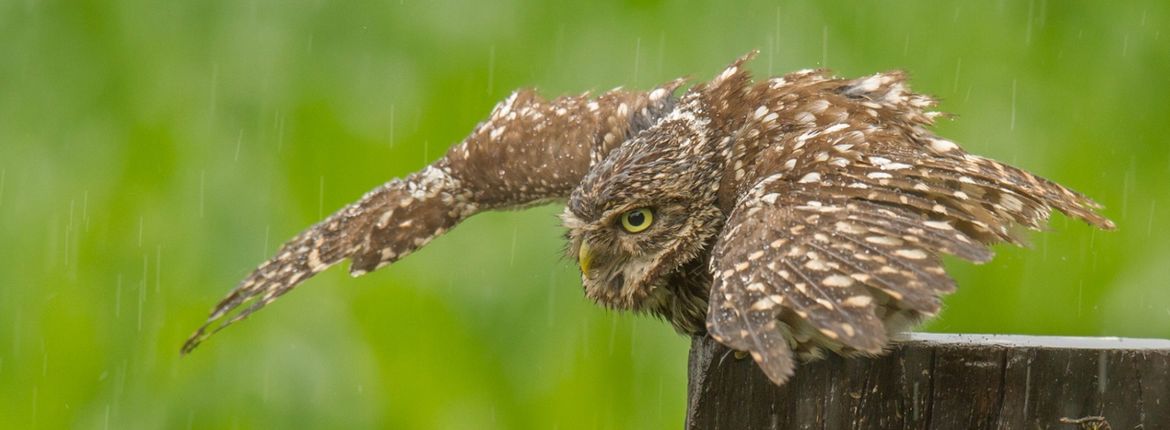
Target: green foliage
<point x="152" y="152"/>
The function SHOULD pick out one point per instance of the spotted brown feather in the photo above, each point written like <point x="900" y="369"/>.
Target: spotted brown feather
<point x="791" y="216"/>
<point x="530" y="150"/>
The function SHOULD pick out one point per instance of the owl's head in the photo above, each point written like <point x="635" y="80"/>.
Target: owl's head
<point x="642" y="213"/>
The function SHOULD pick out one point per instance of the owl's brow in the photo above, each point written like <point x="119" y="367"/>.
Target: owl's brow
<point x="615" y="208"/>
<point x="611" y="215"/>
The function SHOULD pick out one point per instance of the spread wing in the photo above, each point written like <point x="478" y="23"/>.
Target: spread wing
<point x="836" y="235"/>
<point x="529" y="151"/>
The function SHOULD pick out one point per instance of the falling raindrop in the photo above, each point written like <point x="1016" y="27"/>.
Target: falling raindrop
<point x="267" y="229"/>
<point x="142" y="289"/>
<point x="1102" y="376"/>
<point x="1027" y="386"/>
<point x="17" y="321"/>
<point x="958" y="69"/>
<point x="512" y="250"/>
<point x="1028" y="28"/>
<point x="779" y="33"/>
<point x="34" y="406"/>
<point x="202" y="190"/>
<point x="1080" y="296"/>
<point x="321" y="199"/>
<point x="771" y="53"/>
<point x="68" y="232"/>
<point x="914" y="402"/>
<point x="1013" y="121"/>
<point x="1150" y="222"/>
<point x="158" y="269"/>
<point x="212" y="96"/>
<point x="552" y="294"/>
<point x="661" y="51"/>
<point x="1128" y="182"/>
<point x="279" y="131"/>
<point x="491" y="68"/>
<point x="613" y="326"/>
<point x="118" y="298"/>
<point x="825" y="46"/>
<point x="239" y="142"/>
<point x="84" y="209"/>
<point x="637" y="56"/>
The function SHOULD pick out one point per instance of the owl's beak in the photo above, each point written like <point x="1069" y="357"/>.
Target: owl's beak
<point x="584" y="257"/>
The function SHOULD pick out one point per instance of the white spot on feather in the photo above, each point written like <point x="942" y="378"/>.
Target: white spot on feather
<point x="941" y="145"/>
<point x="884" y="240"/>
<point x="837" y="281"/>
<point x="763" y="304"/>
<point x="496" y="132"/>
<point x="913" y="254"/>
<point x="859" y="301"/>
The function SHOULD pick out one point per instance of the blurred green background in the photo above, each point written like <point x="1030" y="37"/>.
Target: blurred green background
<point x="151" y="153"/>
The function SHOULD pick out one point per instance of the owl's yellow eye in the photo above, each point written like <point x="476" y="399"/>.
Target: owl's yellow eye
<point x="637" y="220"/>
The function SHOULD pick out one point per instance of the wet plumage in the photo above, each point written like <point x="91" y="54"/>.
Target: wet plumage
<point x="785" y="217"/>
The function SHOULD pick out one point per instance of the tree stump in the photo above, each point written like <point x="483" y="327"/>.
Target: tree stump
<point x="942" y="381"/>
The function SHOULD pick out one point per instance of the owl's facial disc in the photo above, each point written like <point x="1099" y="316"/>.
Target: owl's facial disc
<point x="643" y="212"/>
<point x="626" y="254"/>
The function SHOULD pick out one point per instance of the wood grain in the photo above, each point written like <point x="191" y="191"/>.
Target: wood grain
<point x="943" y="381"/>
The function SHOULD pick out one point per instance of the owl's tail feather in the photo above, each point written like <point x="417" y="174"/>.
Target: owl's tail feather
<point x="388" y="223"/>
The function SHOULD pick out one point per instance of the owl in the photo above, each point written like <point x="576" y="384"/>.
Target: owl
<point x="786" y="218"/>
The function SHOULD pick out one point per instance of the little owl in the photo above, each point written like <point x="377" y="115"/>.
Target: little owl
<point x="784" y="217"/>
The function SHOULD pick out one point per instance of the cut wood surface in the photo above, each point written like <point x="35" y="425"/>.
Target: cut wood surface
<point x="943" y="381"/>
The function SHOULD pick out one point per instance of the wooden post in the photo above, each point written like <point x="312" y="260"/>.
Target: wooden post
<point x="943" y="381"/>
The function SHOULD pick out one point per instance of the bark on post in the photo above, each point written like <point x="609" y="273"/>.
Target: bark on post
<point x="943" y="381"/>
